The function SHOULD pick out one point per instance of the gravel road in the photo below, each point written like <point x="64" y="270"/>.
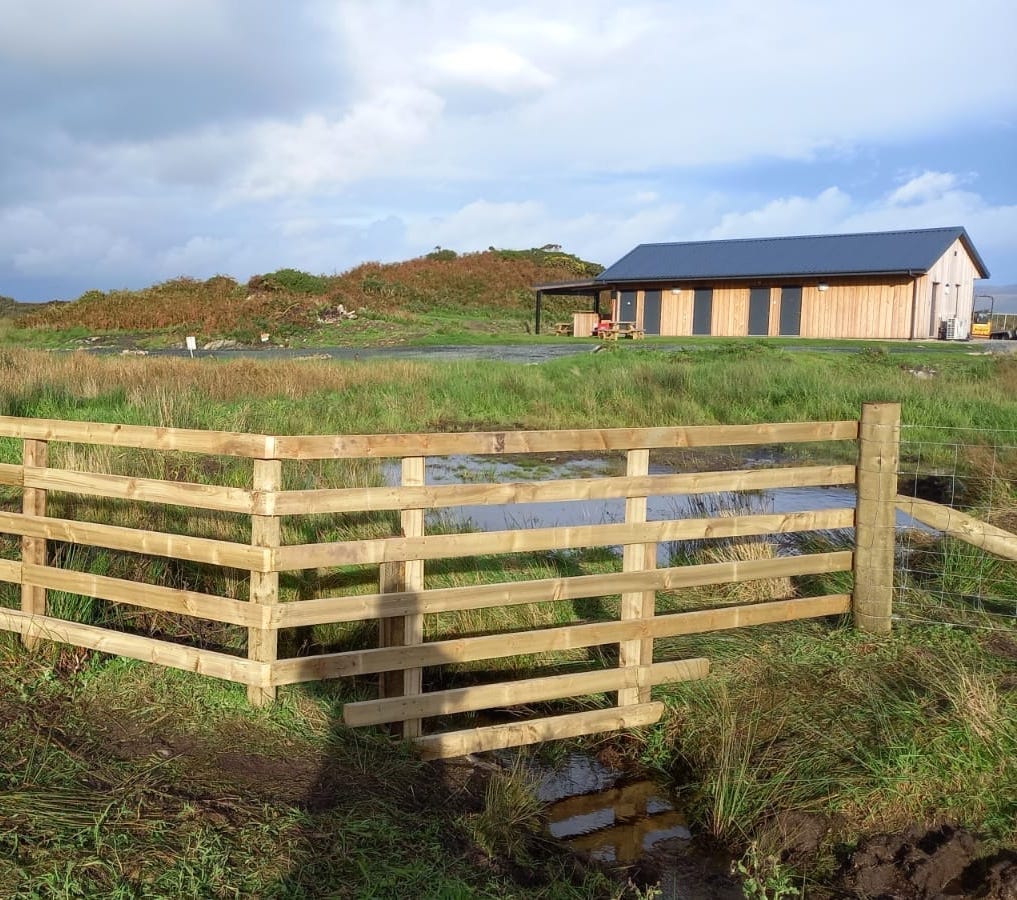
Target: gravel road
<point x="527" y="353"/>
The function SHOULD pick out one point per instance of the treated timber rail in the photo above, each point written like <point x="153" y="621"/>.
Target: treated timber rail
<point x="405" y="600"/>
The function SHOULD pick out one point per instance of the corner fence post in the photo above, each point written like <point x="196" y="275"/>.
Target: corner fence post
<point x="266" y="531"/>
<point x="875" y="516"/>
<point x="33" y="549"/>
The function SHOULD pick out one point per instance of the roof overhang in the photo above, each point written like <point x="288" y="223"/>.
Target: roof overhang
<point x="586" y="286"/>
<point x="973" y="253"/>
<point x="785" y="277"/>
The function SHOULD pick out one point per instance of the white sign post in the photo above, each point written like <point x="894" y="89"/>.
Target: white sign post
<point x="192" y="345"/>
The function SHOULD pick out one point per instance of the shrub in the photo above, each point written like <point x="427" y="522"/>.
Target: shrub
<point x="292" y="280"/>
<point x="441" y="254"/>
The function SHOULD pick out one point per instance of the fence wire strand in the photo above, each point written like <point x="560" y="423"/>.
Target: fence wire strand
<point x="940" y="579"/>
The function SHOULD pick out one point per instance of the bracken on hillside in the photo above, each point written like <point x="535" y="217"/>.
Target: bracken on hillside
<point x="289" y="299"/>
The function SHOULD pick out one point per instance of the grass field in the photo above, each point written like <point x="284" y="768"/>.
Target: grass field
<point x="124" y="780"/>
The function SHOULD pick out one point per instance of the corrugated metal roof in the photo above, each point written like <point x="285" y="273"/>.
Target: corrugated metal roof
<point x="886" y="252"/>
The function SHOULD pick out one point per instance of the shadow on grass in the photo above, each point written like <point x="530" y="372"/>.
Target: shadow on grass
<point x="377" y="821"/>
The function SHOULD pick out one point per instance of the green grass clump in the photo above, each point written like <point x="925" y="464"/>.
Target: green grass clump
<point x="872" y="735"/>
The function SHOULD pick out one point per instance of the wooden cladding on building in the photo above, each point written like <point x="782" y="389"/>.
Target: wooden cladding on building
<point x="897" y="306"/>
<point x="846" y="309"/>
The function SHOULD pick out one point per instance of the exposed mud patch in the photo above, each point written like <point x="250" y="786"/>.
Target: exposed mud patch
<point x="926" y="864"/>
<point x="1002" y="646"/>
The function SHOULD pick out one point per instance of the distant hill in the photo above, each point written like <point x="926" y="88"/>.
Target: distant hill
<point x="290" y="299"/>
<point x="12" y="309"/>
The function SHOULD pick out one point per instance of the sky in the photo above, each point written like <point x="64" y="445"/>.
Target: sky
<point x="142" y="140"/>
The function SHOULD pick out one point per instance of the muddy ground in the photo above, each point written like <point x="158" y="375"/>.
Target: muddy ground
<point x="928" y="863"/>
<point x="225" y="777"/>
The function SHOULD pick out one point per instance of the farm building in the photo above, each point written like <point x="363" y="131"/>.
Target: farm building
<point x="895" y="284"/>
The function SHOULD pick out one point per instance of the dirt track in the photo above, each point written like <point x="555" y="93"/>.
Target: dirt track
<point x="526" y="354"/>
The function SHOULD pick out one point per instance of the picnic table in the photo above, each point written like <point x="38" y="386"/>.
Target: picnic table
<point x="563" y="328"/>
<point x="611" y="331"/>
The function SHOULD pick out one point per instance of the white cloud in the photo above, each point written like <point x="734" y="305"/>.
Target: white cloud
<point x="786" y="215"/>
<point x="490" y="66"/>
<point x="598" y="236"/>
<point x="375" y="136"/>
<point x="585" y="87"/>
<point x="481" y="224"/>
<point x="922" y="188"/>
<point x="36" y="244"/>
<point x="199" y="256"/>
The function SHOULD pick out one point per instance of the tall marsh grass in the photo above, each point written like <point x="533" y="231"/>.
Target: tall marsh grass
<point x="869" y="735"/>
<point x="631" y="388"/>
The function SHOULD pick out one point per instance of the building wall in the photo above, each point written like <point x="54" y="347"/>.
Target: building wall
<point x="859" y="309"/>
<point x="955" y="269"/>
<point x="895" y="307"/>
<point x="675" y="312"/>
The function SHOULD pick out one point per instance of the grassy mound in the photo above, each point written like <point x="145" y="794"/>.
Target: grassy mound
<point x="289" y="300"/>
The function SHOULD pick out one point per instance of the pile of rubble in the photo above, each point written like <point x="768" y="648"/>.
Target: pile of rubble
<point x="334" y="315"/>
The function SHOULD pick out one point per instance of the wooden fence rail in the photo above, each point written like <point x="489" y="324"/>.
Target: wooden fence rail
<point x="255" y="594"/>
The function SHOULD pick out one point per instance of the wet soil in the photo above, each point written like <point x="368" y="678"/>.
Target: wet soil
<point x="610" y="815"/>
<point x="923" y="864"/>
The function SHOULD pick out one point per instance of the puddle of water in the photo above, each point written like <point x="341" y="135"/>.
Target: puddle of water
<point x="620" y="820"/>
<point x="598" y="811"/>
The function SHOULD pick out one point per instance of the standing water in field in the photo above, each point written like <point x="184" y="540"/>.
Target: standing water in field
<point x="622" y="820"/>
<point x="499" y="470"/>
<point x="596" y="809"/>
<point x="480" y="469"/>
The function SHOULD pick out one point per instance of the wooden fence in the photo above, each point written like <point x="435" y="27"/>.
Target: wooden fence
<point x="403" y="597"/>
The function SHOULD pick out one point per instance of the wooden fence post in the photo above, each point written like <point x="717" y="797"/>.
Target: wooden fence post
<point x="875" y="516"/>
<point x="639" y="604"/>
<point x="400" y="631"/>
<point x="266" y="531"/>
<point x="33" y="549"/>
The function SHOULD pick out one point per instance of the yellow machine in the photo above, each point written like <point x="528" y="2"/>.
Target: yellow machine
<point x="981" y="319"/>
<point x="981" y="323"/>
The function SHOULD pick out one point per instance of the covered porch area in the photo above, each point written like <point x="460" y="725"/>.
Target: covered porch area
<point x="595" y="291"/>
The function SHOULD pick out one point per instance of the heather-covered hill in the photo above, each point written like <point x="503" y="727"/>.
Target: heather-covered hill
<point x="289" y="300"/>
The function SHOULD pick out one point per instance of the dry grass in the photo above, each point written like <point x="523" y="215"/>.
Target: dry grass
<point x="167" y="382"/>
<point x="761" y="589"/>
<point x="732" y="550"/>
<point x="973" y="696"/>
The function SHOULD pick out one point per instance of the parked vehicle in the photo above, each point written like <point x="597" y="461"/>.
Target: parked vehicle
<point x="981" y="323"/>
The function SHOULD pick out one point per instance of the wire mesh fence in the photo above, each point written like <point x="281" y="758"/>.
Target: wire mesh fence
<point x="942" y="579"/>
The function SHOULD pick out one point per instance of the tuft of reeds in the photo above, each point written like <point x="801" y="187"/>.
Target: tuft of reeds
<point x="512" y="820"/>
<point x="731" y="549"/>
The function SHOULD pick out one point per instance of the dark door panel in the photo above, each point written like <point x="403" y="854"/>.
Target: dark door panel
<point x="759" y="311"/>
<point x="627" y="306"/>
<point x="791" y="310"/>
<point x="702" y="311"/>
<point x="651" y="312"/>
